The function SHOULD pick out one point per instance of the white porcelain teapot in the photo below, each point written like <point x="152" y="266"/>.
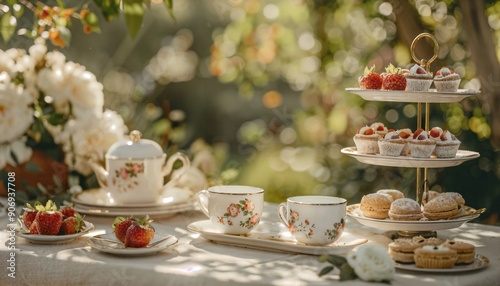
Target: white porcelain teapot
<point x="136" y="169"/>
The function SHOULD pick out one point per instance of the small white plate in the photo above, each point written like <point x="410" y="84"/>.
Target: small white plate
<point x="55" y="239"/>
<point x="410" y="162"/>
<point x="388" y="224"/>
<point x="274" y="237"/>
<point x="431" y="96"/>
<point x="154" y="212"/>
<point x="109" y="244"/>
<point x="480" y="262"/>
<point x="100" y="198"/>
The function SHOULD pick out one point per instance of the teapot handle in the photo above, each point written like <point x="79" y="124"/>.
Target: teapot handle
<point x="169" y="165"/>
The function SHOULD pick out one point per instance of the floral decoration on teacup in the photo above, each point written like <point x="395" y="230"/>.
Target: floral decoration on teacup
<point x="232" y="209"/>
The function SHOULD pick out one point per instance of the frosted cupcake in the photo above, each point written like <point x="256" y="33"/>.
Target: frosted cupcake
<point x="366" y="141"/>
<point x="391" y="144"/>
<point x="417" y="79"/>
<point x="447" y="145"/>
<point x="421" y="146"/>
<point x="379" y="128"/>
<point x="446" y="80"/>
<point x="406" y="135"/>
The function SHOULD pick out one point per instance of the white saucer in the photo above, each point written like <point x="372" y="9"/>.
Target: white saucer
<point x="388" y="224"/>
<point x="55" y="239"/>
<point x="101" y="198"/>
<point x="274" y="237"/>
<point x="109" y="244"/>
<point x="164" y="211"/>
<point x="480" y="262"/>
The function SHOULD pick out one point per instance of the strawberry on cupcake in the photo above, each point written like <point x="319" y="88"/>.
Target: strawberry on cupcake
<point x="406" y="135"/>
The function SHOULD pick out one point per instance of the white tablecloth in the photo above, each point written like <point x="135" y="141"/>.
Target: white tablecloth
<point x="196" y="261"/>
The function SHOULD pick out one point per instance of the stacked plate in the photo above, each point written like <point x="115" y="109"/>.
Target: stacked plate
<point x="98" y="202"/>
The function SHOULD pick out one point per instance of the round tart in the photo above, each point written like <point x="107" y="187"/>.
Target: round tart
<point x="402" y="250"/>
<point x="366" y="141"/>
<point x="441" y="207"/>
<point x="438" y="257"/>
<point x="405" y="209"/>
<point x="465" y="251"/>
<point x="395" y="194"/>
<point x="375" y="205"/>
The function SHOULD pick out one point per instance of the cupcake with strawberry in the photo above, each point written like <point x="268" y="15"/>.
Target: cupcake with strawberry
<point x="391" y="144"/>
<point x="370" y="79"/>
<point x="379" y="128"/>
<point x="417" y="79"/>
<point x="447" y="145"/>
<point x="366" y="141"/>
<point x="421" y="146"/>
<point x="446" y="80"/>
<point x="406" y="135"/>
<point x="393" y="78"/>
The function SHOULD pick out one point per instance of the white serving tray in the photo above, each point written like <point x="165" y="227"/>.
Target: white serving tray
<point x="431" y="96"/>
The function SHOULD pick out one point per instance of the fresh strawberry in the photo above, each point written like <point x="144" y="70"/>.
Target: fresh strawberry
<point x="29" y="214"/>
<point x="140" y="233"/>
<point x="72" y="224"/>
<point x="405" y="133"/>
<point x="370" y="79"/>
<point x="394" y="79"/>
<point x="366" y="131"/>
<point x="48" y="219"/>
<point x="121" y="225"/>
<point x="67" y="211"/>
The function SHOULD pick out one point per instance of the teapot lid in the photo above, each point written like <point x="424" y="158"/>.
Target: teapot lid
<point x="135" y="148"/>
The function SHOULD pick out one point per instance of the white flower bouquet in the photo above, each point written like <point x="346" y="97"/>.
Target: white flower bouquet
<point x="42" y="95"/>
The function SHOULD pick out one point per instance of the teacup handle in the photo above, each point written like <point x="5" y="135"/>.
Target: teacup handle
<point x="202" y="198"/>
<point x="169" y="165"/>
<point x="282" y="209"/>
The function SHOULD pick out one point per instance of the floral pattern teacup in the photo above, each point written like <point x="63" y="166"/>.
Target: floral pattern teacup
<point x="232" y="209"/>
<point x="314" y="220"/>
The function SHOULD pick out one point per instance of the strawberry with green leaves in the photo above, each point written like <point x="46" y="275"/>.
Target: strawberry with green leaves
<point x="72" y="224"/>
<point x="370" y="79"/>
<point x="140" y="233"/>
<point x="48" y="219"/>
<point x="120" y="226"/>
<point x="30" y="214"/>
<point x="393" y="78"/>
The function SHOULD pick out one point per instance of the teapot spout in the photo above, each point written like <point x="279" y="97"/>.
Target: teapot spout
<point x="101" y="174"/>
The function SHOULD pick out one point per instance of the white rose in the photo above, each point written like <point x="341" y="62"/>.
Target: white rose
<point x="372" y="263"/>
<point x="16" y="115"/>
<point x="21" y="151"/>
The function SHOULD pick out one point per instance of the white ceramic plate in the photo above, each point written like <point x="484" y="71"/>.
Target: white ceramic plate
<point x="410" y="162"/>
<point x="388" y="224"/>
<point x="109" y="244"/>
<point x="55" y="239"/>
<point x="100" y="198"/>
<point x="431" y="96"/>
<point x="154" y="212"/>
<point x="480" y="262"/>
<point x="274" y="237"/>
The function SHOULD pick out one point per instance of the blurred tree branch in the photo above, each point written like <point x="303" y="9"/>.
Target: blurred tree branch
<point x="480" y="41"/>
